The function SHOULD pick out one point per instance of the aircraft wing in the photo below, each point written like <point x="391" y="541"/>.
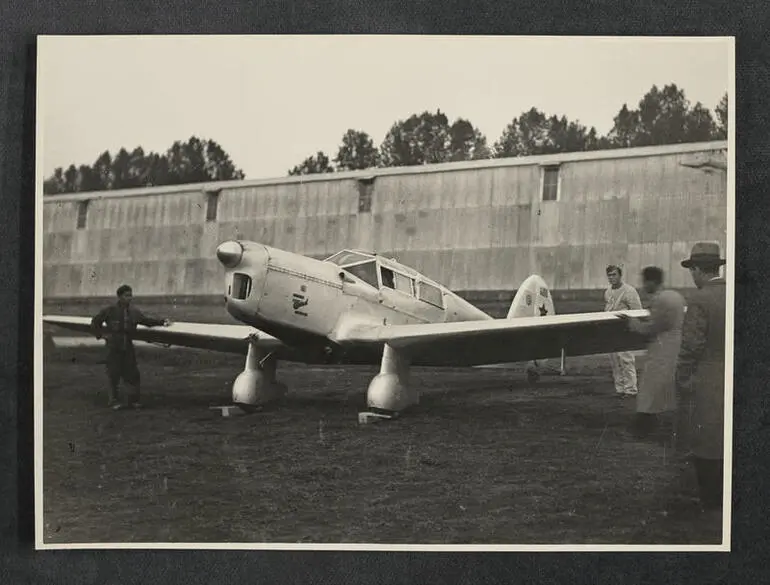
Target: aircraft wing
<point x="225" y="338"/>
<point x="472" y="343"/>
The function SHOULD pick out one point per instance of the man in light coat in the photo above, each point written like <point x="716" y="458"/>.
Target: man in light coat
<point x="701" y="372"/>
<point x="657" y="391"/>
<point x="620" y="296"/>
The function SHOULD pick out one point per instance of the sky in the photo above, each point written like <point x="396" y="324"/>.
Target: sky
<point x="272" y="101"/>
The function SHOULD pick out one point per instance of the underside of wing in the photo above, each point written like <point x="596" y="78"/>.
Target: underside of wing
<point x="471" y="343"/>
<point x="215" y="337"/>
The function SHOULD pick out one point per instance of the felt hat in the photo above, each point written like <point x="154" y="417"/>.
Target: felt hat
<point x="704" y="254"/>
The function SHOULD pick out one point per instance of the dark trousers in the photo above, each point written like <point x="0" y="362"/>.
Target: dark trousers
<point x="709" y="473"/>
<point x="654" y="426"/>
<point x="645" y="424"/>
<point x="121" y="364"/>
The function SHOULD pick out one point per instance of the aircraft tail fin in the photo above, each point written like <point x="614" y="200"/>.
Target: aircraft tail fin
<point x="533" y="299"/>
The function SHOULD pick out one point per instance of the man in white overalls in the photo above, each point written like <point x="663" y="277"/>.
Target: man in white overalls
<point x="620" y="296"/>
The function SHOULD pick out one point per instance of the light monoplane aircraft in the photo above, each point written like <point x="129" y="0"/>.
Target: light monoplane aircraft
<point x="357" y="307"/>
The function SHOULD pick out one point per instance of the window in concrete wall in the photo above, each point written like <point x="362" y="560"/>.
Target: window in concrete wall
<point x="365" y="193"/>
<point x="550" y="182"/>
<point x="82" y="214"/>
<point x="212" y="203"/>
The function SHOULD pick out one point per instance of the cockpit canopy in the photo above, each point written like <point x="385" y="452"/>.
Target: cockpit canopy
<point x="347" y="257"/>
<point x="360" y="264"/>
<point x="365" y="266"/>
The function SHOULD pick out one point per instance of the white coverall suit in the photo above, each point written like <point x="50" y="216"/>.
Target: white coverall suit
<point x="623" y="298"/>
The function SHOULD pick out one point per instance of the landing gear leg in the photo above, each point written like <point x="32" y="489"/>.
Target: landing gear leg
<point x="537" y="368"/>
<point x="533" y="375"/>
<point x="389" y="392"/>
<point x="256" y="385"/>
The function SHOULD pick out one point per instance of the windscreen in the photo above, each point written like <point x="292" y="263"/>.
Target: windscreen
<point x="366" y="271"/>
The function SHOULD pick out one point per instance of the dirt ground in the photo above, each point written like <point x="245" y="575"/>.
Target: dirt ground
<point x="484" y="459"/>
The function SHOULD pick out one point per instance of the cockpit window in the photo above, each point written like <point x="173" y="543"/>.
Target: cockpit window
<point x="387" y="278"/>
<point x="397" y="281"/>
<point x="431" y="294"/>
<point x="346" y="257"/>
<point x="366" y="271"/>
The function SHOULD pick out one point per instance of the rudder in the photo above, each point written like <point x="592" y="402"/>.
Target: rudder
<point x="533" y="299"/>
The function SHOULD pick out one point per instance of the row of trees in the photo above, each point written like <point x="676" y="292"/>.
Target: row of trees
<point x="194" y="161"/>
<point x="663" y="116"/>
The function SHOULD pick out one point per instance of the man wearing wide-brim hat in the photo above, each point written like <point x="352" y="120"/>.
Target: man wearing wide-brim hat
<point x="701" y="372"/>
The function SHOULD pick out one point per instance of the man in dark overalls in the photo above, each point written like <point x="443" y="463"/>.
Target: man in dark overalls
<point x="121" y="320"/>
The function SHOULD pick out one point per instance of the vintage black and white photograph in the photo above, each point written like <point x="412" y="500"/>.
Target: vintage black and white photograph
<point x="384" y="292"/>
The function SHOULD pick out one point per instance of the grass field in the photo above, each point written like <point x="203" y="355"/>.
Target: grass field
<point x="484" y="459"/>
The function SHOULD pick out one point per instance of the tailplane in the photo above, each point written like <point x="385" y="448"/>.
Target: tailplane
<point x="533" y="299"/>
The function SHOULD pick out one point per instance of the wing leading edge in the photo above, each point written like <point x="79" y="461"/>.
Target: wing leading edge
<point x="472" y="343"/>
<point x="216" y="337"/>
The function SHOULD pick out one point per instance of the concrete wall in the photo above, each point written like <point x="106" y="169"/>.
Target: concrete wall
<point x="480" y="226"/>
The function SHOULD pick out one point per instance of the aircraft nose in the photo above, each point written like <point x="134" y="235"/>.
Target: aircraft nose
<point x="230" y="253"/>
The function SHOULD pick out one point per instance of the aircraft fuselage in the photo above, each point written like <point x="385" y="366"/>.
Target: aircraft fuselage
<point x="306" y="302"/>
